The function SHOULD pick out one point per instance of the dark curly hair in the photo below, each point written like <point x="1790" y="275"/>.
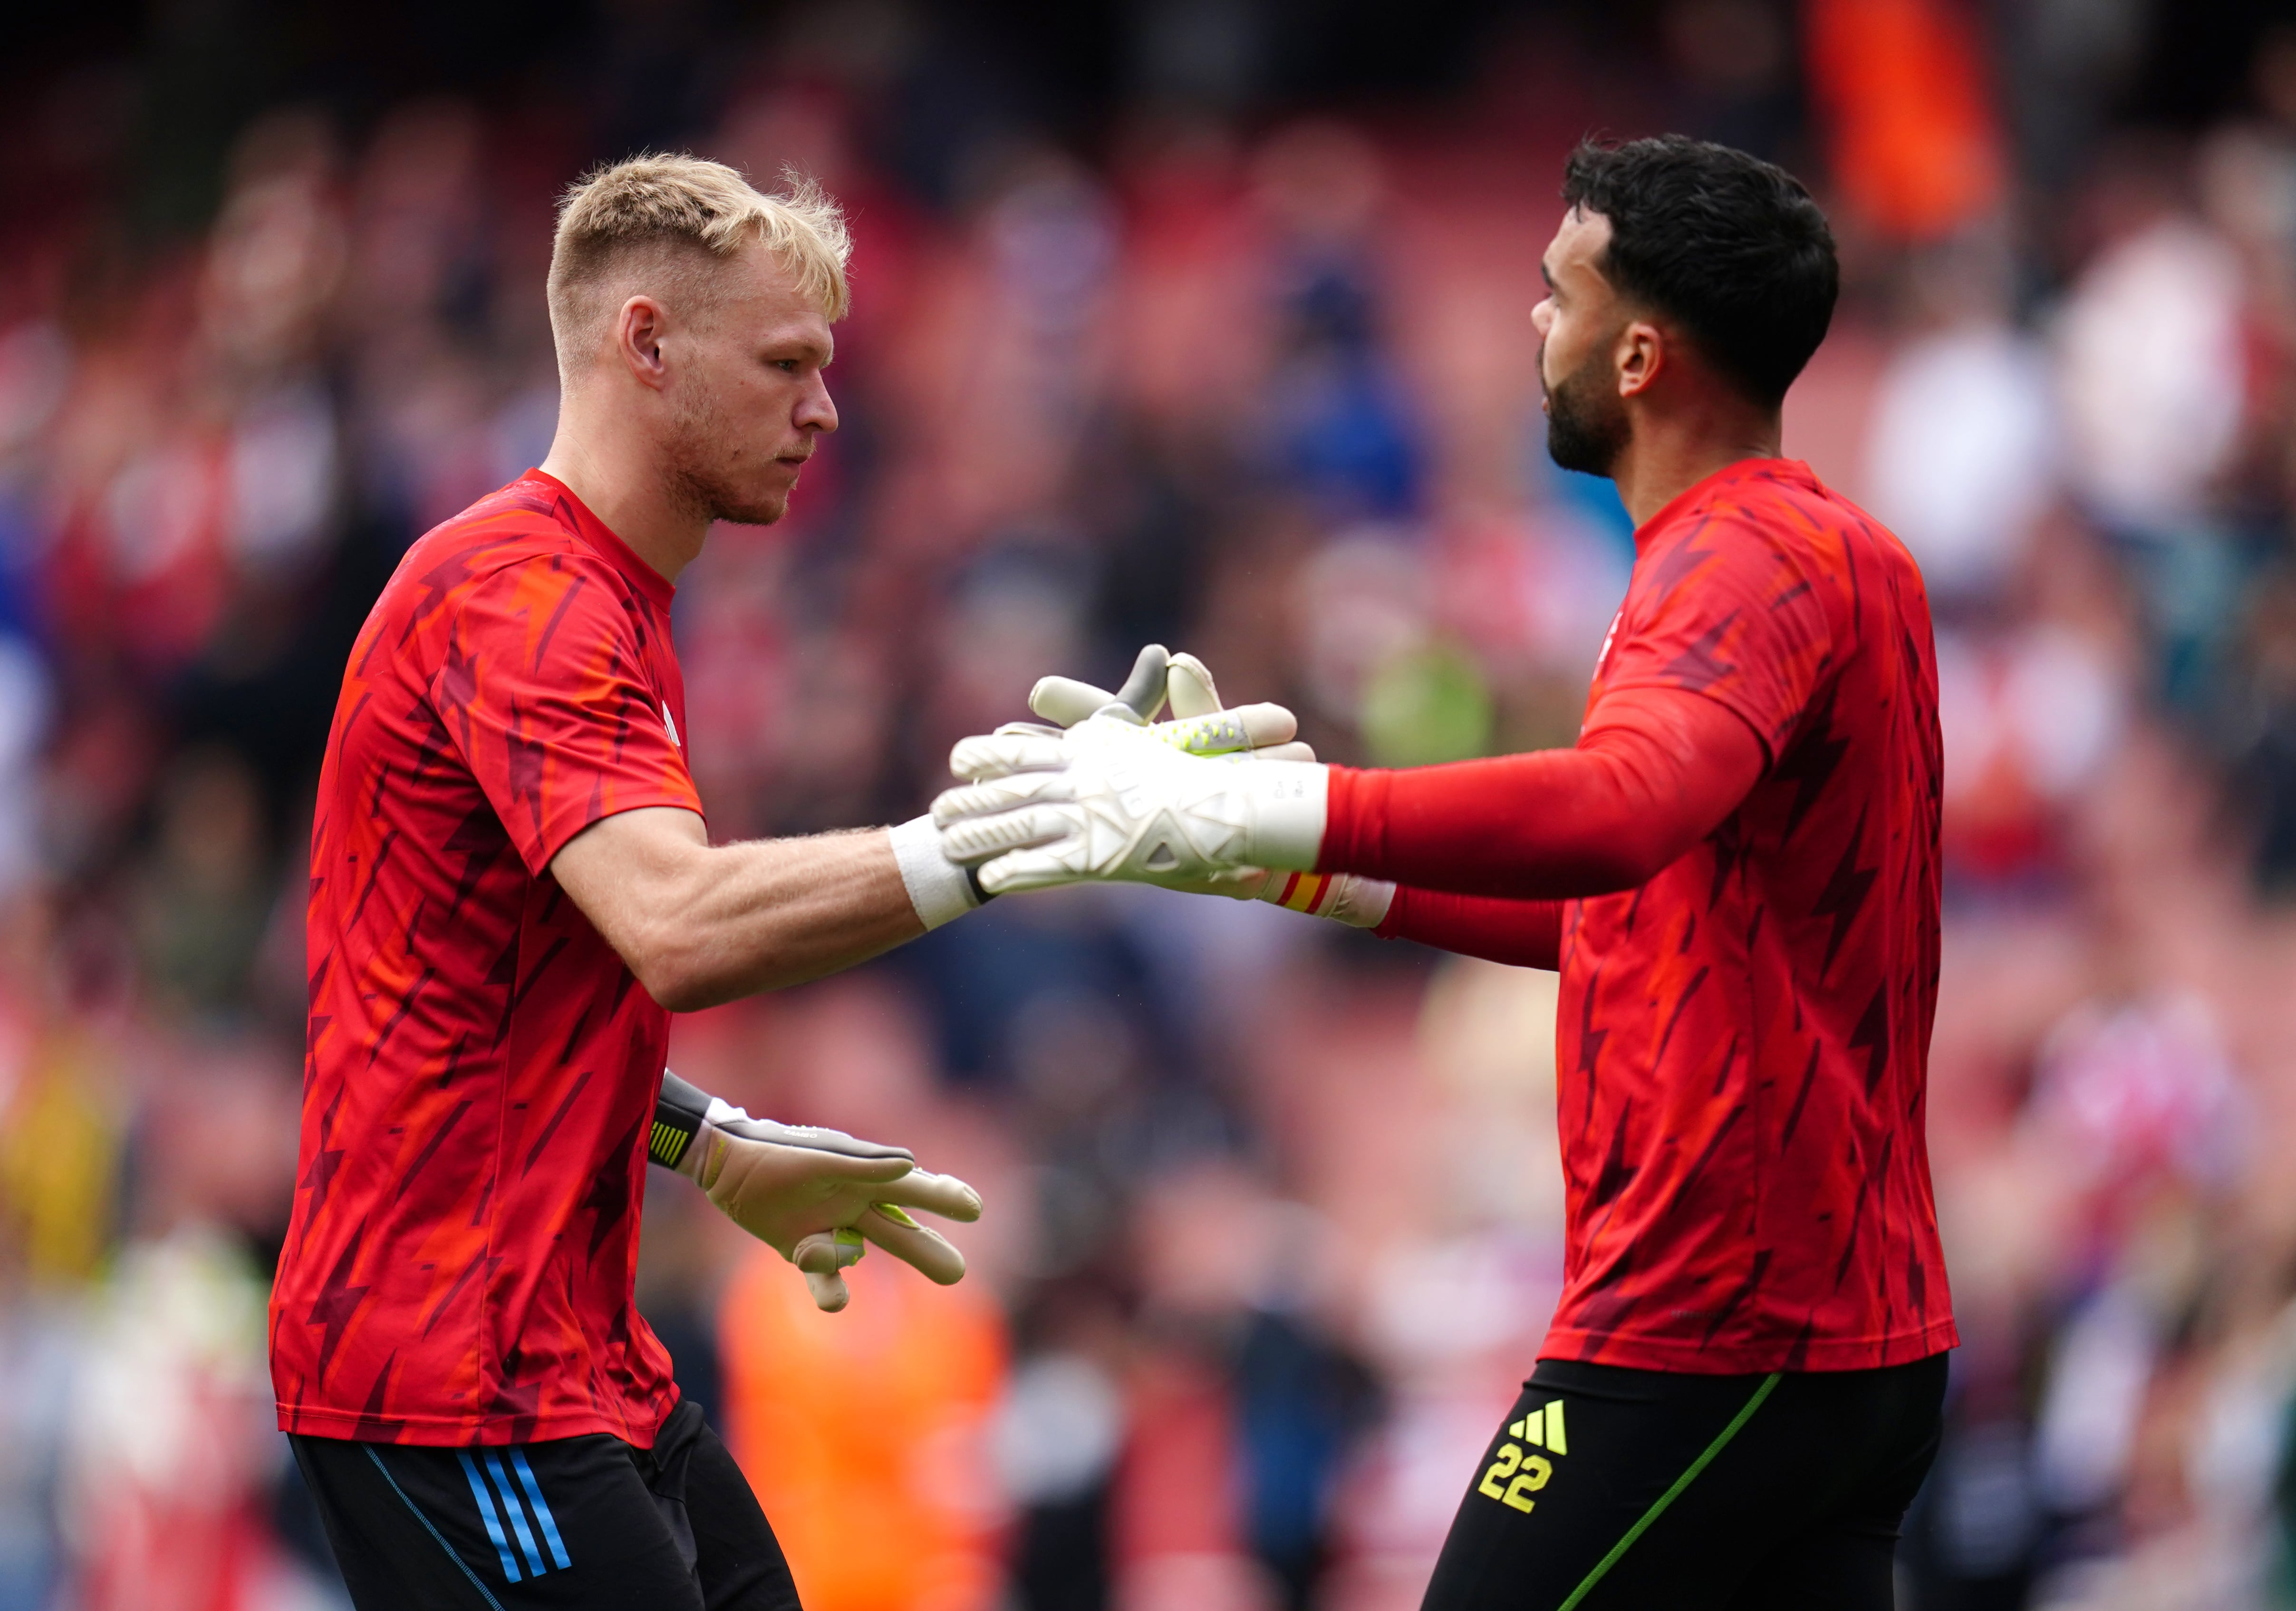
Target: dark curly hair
<point x="1728" y="247"/>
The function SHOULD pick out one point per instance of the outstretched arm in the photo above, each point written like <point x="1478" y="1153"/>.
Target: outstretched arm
<point x="1657" y="769"/>
<point x="700" y="923"/>
<point x="1660" y="770"/>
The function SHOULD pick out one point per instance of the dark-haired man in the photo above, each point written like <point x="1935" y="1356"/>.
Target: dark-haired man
<point x="1735" y="870"/>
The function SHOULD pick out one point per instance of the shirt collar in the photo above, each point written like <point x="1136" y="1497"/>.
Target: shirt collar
<point x="610" y="548"/>
<point x="1745" y="469"/>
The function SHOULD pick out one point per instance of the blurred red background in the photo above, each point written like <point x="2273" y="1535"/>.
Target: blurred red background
<point x="1205" y="322"/>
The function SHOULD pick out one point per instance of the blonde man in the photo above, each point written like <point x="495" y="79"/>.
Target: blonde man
<point x="512" y="888"/>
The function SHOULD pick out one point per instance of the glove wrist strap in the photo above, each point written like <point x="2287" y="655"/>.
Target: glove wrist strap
<point x="679" y="1112"/>
<point x="1287" y="809"/>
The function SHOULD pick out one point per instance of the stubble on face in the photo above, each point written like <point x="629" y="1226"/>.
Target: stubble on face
<point x="1588" y="427"/>
<point x="704" y="459"/>
<point x="1586" y="423"/>
<point x="724" y="460"/>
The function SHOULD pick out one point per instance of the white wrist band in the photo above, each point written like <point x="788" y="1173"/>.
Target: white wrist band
<point x="939" y="889"/>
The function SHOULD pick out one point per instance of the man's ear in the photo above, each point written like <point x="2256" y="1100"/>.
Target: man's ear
<point x="639" y="327"/>
<point x="1641" y="357"/>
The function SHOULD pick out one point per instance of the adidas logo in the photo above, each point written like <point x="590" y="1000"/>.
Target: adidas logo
<point x="1516" y="1474"/>
<point x="1542" y="1429"/>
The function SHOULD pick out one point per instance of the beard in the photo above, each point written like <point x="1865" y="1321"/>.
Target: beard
<point x="1586" y="423"/>
<point x="704" y="477"/>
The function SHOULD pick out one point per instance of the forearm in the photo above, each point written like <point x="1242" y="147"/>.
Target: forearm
<point x="1521" y="934"/>
<point x="765" y="915"/>
<point x="1639" y="790"/>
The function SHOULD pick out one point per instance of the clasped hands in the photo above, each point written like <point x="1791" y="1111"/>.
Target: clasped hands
<point x="1213" y="801"/>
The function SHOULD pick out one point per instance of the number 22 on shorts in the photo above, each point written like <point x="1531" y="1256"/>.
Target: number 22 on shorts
<point x="1522" y="1477"/>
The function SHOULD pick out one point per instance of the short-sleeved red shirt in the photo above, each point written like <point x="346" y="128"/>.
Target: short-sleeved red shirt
<point x="482" y="1065"/>
<point x="1743" y="1041"/>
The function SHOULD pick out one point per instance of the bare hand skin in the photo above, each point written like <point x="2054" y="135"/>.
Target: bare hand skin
<point x="698" y="405"/>
<point x="700" y="924"/>
<point x="1687" y="421"/>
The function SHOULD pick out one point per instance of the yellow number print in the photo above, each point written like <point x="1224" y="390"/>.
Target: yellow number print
<point x="1504" y="1466"/>
<point x="1530" y="1476"/>
<point x="1530" y="1481"/>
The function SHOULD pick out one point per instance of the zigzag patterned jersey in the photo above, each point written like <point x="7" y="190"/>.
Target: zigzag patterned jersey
<point x="1743" y="1041"/>
<point x="481" y="1066"/>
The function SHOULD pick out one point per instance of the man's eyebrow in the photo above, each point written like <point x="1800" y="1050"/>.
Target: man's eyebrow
<point x="805" y="347"/>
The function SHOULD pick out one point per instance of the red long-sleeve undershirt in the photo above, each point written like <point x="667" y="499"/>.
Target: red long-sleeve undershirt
<point x="1521" y="934"/>
<point x="1484" y="852"/>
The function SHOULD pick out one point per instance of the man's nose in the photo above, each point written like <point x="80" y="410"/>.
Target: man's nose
<point x="815" y="410"/>
<point x="1542" y="316"/>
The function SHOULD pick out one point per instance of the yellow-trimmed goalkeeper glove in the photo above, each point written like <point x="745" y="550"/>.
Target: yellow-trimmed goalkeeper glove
<point x="818" y="1197"/>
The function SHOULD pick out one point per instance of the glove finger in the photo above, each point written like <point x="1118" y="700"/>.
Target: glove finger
<point x="820" y="1258"/>
<point x="1218" y="734"/>
<point x="831" y="1143"/>
<point x="816" y="1163"/>
<point x="995" y="754"/>
<point x="1034" y="869"/>
<point x="1065" y="699"/>
<point x="1027" y="729"/>
<point x="1268" y="724"/>
<point x="928" y="1251"/>
<point x="1189" y="683"/>
<point x="970" y="840"/>
<point x="1143" y="690"/>
<point x="1297" y="749"/>
<point x="827" y="1252"/>
<point x="943" y="1195"/>
<point x="998" y="795"/>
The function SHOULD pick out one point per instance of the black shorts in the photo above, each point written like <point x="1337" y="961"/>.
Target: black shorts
<point x="1610" y="1489"/>
<point x="569" y="1523"/>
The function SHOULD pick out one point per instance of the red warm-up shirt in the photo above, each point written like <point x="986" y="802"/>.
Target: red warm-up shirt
<point x="1742" y="1040"/>
<point x="481" y="1066"/>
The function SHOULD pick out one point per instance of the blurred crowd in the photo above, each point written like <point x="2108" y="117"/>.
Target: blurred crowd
<point x="1273" y="1219"/>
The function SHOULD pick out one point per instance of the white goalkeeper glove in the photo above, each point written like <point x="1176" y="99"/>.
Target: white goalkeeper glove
<point x="815" y="1196"/>
<point x="1201" y="726"/>
<point x="941" y="890"/>
<point x="1108" y="800"/>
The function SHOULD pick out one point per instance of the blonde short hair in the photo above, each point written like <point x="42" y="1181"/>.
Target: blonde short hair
<point x="668" y="208"/>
